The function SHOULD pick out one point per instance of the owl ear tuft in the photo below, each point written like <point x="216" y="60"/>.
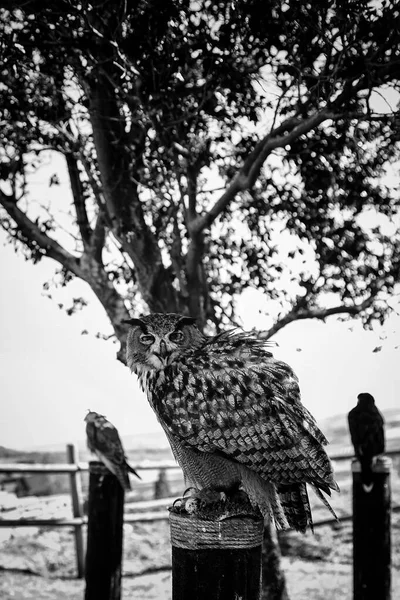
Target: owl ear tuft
<point x="185" y="321"/>
<point x="135" y="322"/>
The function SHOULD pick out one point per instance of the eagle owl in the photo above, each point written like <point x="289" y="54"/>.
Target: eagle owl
<point x="232" y="415"/>
<point x="366" y="427"/>
<point x="104" y="441"/>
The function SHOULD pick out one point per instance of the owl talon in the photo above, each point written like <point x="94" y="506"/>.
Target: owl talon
<point x="196" y="491"/>
<point x="203" y="502"/>
<point x="191" y="506"/>
<point x="208" y="503"/>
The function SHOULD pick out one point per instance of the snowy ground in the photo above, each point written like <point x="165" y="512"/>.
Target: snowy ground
<point x="40" y="563"/>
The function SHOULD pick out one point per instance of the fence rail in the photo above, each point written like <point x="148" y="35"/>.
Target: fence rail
<point x="74" y="468"/>
<point x="84" y="466"/>
<point x="136" y="511"/>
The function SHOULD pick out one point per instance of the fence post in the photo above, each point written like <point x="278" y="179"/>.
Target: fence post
<point x="77" y="510"/>
<point x="216" y="560"/>
<point x="371" y="533"/>
<point x="161" y="486"/>
<point x="104" y="534"/>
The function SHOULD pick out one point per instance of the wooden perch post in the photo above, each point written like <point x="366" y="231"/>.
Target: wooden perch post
<point x="371" y="533"/>
<point x="104" y="535"/>
<point x="216" y="560"/>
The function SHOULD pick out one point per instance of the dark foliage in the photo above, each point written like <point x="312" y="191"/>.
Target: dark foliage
<point x="217" y="145"/>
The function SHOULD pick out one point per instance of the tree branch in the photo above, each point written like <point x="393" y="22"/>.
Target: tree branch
<point x="125" y="211"/>
<point x="87" y="267"/>
<point x="99" y="236"/>
<point x="32" y="231"/>
<point x="79" y="199"/>
<point x="297" y="314"/>
<point x="247" y="175"/>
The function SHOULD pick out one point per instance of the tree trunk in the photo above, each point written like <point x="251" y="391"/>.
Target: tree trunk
<point x="273" y="578"/>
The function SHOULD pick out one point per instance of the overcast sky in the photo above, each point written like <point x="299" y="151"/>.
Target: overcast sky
<point x="50" y="373"/>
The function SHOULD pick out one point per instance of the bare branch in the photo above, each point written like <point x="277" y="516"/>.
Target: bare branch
<point x="297" y="314"/>
<point x="32" y="231"/>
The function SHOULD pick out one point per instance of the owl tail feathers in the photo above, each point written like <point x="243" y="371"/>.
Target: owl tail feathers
<point x="263" y="495"/>
<point x="325" y="501"/>
<point x="273" y="507"/>
<point x="332" y="485"/>
<point x="296" y="505"/>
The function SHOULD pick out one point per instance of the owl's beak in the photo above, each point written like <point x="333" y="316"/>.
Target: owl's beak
<point x="163" y="349"/>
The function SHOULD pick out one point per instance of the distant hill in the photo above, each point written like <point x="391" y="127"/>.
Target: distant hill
<point x="140" y="447"/>
<point x="28" y="456"/>
<point x="8" y="453"/>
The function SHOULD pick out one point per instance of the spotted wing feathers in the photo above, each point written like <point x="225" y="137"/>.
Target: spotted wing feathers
<point x="231" y="396"/>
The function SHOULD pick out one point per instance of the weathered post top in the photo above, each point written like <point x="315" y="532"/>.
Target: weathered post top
<point x="381" y="464"/>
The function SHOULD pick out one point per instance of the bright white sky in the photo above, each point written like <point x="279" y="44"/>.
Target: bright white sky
<point x="50" y="373"/>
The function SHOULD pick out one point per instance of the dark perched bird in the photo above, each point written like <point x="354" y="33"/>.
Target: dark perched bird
<point x="367" y="434"/>
<point x="104" y="441"/>
<point x="232" y="415"/>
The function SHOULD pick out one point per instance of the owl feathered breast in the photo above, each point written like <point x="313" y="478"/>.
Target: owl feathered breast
<point x="228" y="398"/>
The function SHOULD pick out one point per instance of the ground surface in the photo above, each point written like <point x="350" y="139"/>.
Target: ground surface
<point x="317" y="567"/>
<point x="306" y="580"/>
<point x="40" y="563"/>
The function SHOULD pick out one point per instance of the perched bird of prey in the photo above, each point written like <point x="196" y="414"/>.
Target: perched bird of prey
<point x="104" y="441"/>
<point x="232" y="415"/>
<point x="367" y="434"/>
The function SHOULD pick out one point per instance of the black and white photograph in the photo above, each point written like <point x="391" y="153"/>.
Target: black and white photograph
<point x="199" y="300"/>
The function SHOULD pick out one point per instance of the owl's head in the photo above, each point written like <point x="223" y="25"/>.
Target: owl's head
<point x="157" y="340"/>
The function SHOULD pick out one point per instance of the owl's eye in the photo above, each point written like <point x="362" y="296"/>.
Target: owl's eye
<point x="147" y="338"/>
<point x="176" y="336"/>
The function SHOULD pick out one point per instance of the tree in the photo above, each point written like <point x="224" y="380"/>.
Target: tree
<point x="210" y="147"/>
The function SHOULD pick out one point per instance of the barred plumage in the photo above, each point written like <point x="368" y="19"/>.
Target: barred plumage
<point x="232" y="414"/>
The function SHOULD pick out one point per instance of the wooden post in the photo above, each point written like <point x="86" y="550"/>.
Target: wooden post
<point x="273" y="578"/>
<point x="105" y="534"/>
<point x="161" y="486"/>
<point x="371" y="533"/>
<point x="77" y="509"/>
<point x="216" y="560"/>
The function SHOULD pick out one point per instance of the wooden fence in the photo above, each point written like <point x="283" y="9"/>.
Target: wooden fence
<point x="143" y="511"/>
